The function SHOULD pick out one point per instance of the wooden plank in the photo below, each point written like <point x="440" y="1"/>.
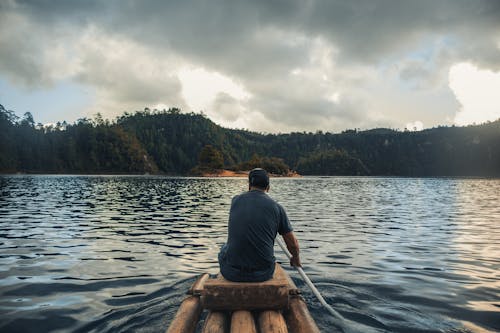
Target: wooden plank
<point x="197" y="286"/>
<point x="187" y="316"/>
<point x="242" y="322"/>
<point x="298" y="318"/>
<point x="272" y="322"/>
<point x="221" y="297"/>
<point x="216" y="322"/>
<point x="221" y="294"/>
<point x="292" y="288"/>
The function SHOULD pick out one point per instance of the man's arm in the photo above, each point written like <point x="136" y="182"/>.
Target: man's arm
<point x="292" y="245"/>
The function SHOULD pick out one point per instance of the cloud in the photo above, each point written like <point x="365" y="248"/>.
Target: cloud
<point x="417" y="125"/>
<point x="122" y="74"/>
<point x="200" y="87"/>
<point x="302" y="65"/>
<point x="229" y="109"/>
<point x="478" y="93"/>
<point x="31" y="59"/>
<point x="126" y="75"/>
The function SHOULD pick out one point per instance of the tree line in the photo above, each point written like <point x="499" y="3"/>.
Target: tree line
<point x="171" y="142"/>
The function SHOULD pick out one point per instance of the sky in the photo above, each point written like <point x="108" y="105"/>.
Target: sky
<point x="263" y="65"/>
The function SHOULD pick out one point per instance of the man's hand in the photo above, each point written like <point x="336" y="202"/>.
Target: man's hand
<point x="293" y="246"/>
<point x="295" y="261"/>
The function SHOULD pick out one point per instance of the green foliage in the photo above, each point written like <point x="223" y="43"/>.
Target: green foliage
<point x="8" y="158"/>
<point x="79" y="148"/>
<point x="273" y="165"/>
<point x="170" y="142"/>
<point x="331" y="163"/>
<point x="211" y="158"/>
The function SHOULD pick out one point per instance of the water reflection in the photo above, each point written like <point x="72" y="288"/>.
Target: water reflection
<point x="392" y="254"/>
<point x="478" y="247"/>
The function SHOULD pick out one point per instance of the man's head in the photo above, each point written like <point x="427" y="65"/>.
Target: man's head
<point x="258" y="179"/>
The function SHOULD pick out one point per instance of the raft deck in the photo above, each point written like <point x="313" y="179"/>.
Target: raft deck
<point x="273" y="306"/>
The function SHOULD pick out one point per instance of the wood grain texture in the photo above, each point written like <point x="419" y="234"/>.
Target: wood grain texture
<point x="221" y="294"/>
<point x="271" y="321"/>
<point x="216" y="322"/>
<point x="187" y="316"/>
<point x="292" y="288"/>
<point x="243" y="322"/>
<point x="198" y="285"/>
<point x="298" y="317"/>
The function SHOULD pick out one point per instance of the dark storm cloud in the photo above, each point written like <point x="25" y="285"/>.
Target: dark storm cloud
<point x="370" y="30"/>
<point x="258" y="43"/>
<point x="362" y="30"/>
<point x="225" y="31"/>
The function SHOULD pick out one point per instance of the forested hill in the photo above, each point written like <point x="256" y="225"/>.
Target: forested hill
<point x="169" y="142"/>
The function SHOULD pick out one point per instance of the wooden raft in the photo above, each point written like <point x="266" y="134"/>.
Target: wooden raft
<point x="273" y="306"/>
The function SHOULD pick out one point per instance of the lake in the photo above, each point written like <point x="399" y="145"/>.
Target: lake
<point x="117" y="253"/>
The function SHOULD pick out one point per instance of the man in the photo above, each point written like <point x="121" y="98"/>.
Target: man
<point x="254" y="221"/>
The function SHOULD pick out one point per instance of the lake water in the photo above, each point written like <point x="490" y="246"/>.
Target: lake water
<point x="117" y="253"/>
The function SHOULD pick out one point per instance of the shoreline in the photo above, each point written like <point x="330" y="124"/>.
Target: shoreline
<point x="214" y="173"/>
<point x="241" y="174"/>
<point x="244" y="174"/>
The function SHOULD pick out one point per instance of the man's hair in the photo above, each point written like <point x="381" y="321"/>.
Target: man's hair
<point x="258" y="177"/>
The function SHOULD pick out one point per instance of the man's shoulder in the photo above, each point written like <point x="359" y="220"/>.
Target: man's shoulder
<point x="241" y="196"/>
<point x="252" y="195"/>
<point x="267" y="201"/>
<point x="236" y="197"/>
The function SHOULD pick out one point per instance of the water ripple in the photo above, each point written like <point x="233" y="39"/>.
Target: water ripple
<point x="117" y="253"/>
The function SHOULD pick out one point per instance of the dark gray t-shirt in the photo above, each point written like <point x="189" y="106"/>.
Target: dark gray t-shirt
<point x="254" y="220"/>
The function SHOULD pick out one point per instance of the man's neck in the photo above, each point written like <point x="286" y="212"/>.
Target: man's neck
<point x="253" y="188"/>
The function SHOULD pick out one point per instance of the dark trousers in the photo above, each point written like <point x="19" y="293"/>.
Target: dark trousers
<point x="241" y="274"/>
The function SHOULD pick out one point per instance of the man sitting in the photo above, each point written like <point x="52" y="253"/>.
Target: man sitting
<point x="254" y="221"/>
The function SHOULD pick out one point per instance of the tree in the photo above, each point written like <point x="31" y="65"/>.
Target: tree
<point x="273" y="165"/>
<point x="176" y="142"/>
<point x="28" y="120"/>
<point x="333" y="162"/>
<point x="211" y="158"/>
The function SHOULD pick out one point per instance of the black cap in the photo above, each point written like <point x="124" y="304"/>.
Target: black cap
<point x="258" y="177"/>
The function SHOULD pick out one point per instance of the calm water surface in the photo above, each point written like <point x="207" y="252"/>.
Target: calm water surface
<point x="116" y="254"/>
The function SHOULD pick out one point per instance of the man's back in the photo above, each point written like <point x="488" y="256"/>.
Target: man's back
<point x="254" y="221"/>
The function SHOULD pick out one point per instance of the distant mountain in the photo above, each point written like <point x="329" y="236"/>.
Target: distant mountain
<point x="170" y="142"/>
